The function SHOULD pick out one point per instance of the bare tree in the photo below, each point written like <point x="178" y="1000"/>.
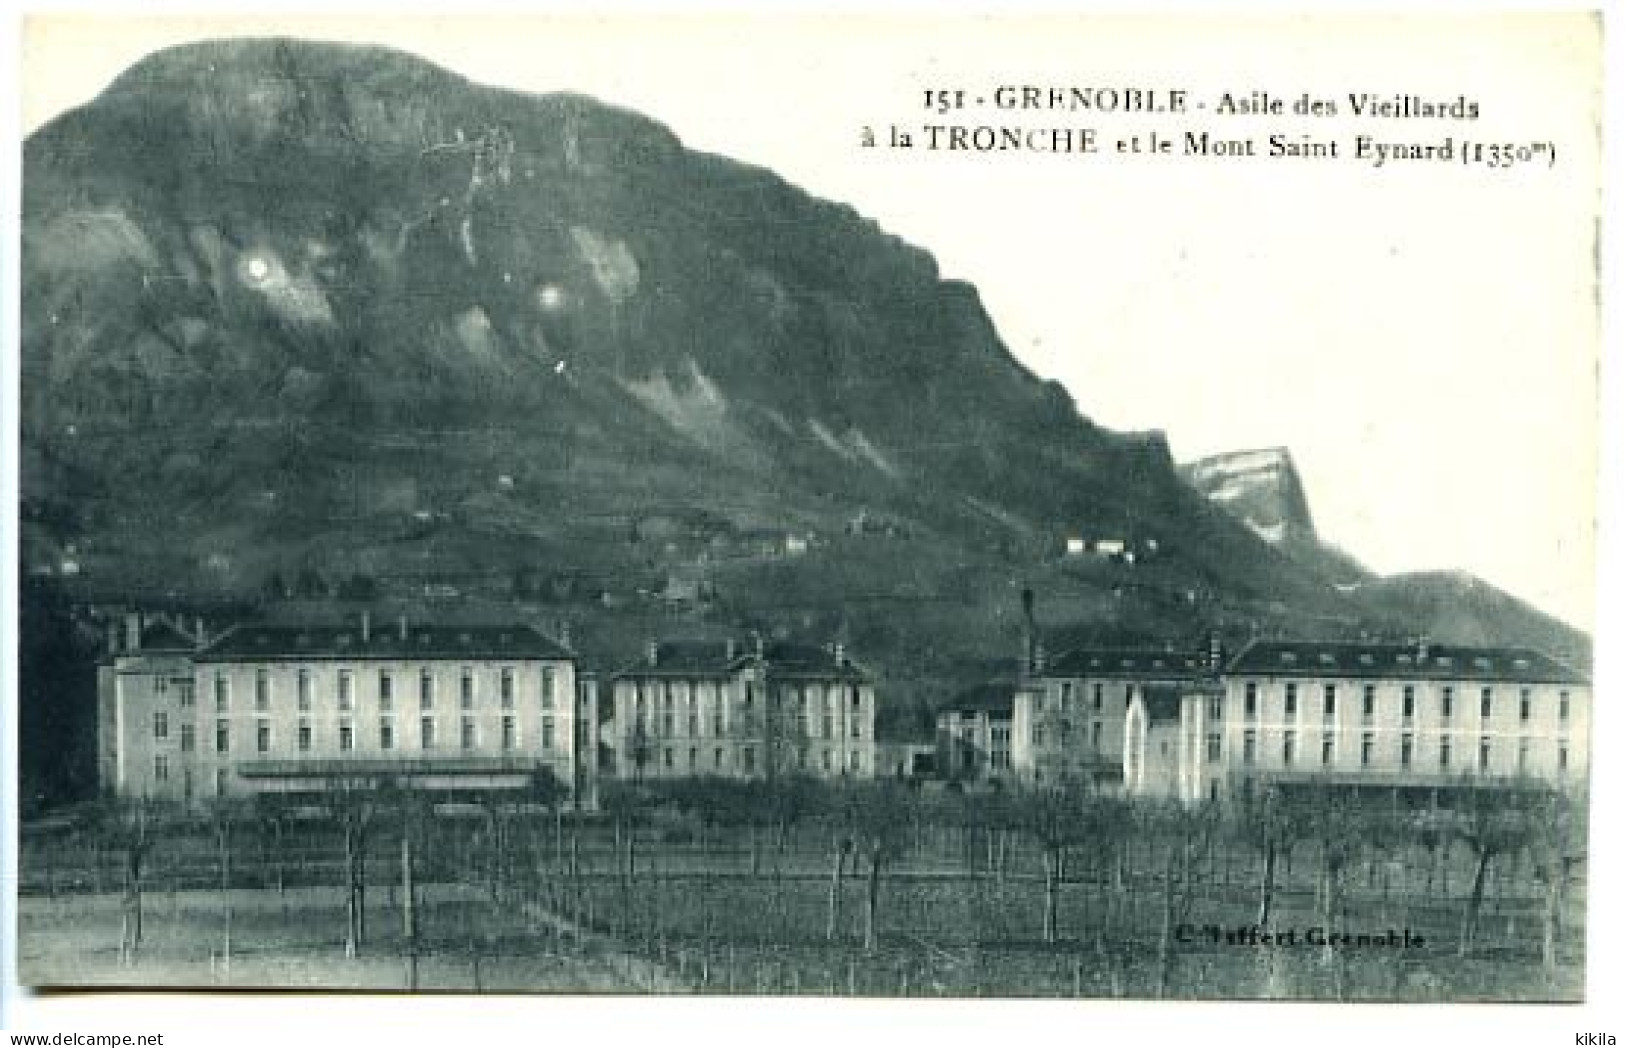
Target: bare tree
<point x="225" y="814"/>
<point x="878" y="815"/>
<point x="1057" y="815"/>
<point x="130" y="827"/>
<point x="1492" y="823"/>
<point x="353" y="804"/>
<point x="1271" y="823"/>
<point x="1557" y="843"/>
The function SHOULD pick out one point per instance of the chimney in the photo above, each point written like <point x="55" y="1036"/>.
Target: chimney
<point x="1032" y="657"/>
<point x="132" y="631"/>
<point x="1215" y="650"/>
<point x="403" y="628"/>
<point x="200" y="633"/>
<point x="1422" y="645"/>
<point x="732" y="650"/>
<point x="840" y="654"/>
<point x="112" y="638"/>
<point x="366" y="627"/>
<point x="653" y="652"/>
<point x="564" y="633"/>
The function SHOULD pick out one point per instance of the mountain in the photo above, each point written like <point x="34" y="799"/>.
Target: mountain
<point x="1467" y="610"/>
<point x="325" y="321"/>
<point x="1260" y="488"/>
<point x="1263" y="490"/>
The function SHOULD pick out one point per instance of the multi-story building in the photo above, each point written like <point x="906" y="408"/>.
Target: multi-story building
<point x="700" y="708"/>
<point x="1410" y="717"/>
<point x="1074" y="719"/>
<point x="146" y="715"/>
<point x="976" y="735"/>
<point x="293" y="709"/>
<point x="1416" y="719"/>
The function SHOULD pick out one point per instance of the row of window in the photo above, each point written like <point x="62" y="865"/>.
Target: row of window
<point x="345" y="693"/>
<point x="1368" y="743"/>
<point x="1097" y="695"/>
<point x="747" y="756"/>
<point x="719" y="759"/>
<point x="1368" y="702"/>
<point x="1063" y="734"/>
<point x="718" y="724"/>
<point x="428" y="736"/>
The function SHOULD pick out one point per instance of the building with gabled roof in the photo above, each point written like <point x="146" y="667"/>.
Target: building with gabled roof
<point x="741" y="711"/>
<point x="291" y="709"/>
<point x="1414" y="718"/>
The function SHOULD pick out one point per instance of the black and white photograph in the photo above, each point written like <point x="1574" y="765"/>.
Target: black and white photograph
<point x="892" y="506"/>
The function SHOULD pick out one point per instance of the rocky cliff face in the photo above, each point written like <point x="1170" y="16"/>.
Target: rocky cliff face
<point x="278" y="293"/>
<point x="292" y="306"/>
<point x="1261" y="489"/>
<point x="297" y="312"/>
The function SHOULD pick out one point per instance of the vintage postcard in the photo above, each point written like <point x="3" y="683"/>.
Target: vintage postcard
<point x="893" y="506"/>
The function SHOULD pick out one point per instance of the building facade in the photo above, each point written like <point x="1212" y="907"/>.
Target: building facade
<point x="1417" y="719"/>
<point x="976" y="734"/>
<point x="296" y="709"/>
<point x="146" y="726"/>
<point x="1413" y="717"/>
<point x="1074" y="719"/>
<point x="741" y="712"/>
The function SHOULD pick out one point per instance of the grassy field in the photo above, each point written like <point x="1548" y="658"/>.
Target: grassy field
<point x="293" y="940"/>
<point x="542" y="907"/>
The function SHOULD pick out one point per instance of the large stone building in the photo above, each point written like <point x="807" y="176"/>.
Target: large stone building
<point x="738" y="711"/>
<point x="294" y="709"/>
<point x="1408" y="718"/>
<point x="976" y="734"/>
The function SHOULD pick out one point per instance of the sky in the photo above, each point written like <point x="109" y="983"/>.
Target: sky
<point x="1423" y="337"/>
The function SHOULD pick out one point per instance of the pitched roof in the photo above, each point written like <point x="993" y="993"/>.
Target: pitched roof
<point x="1161" y="701"/>
<point x="1408" y="661"/>
<point x="809" y="660"/>
<point x="161" y="636"/>
<point x="993" y="697"/>
<point x="712" y="659"/>
<point x="419" y="641"/>
<point x="1137" y="663"/>
<point x="690" y="658"/>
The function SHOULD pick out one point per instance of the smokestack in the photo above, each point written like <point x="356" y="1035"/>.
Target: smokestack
<point x="132" y="631"/>
<point x="840" y="654"/>
<point x="1215" y="650"/>
<point x="1423" y="643"/>
<point x="1031" y="655"/>
<point x="654" y="653"/>
<point x="732" y="649"/>
<point x="403" y="627"/>
<point x="200" y="633"/>
<point x="564" y="633"/>
<point x="366" y="627"/>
